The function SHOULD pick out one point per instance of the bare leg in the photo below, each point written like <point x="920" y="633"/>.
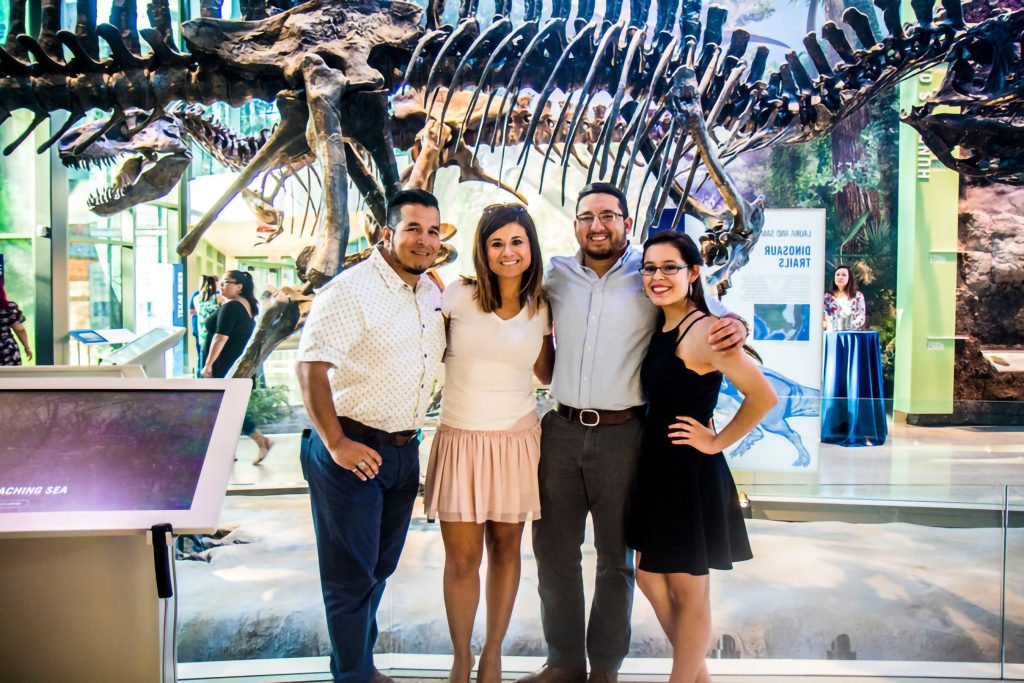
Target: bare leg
<point x="263" y="444"/>
<point x="692" y="611"/>
<point x="463" y="547"/>
<point x="504" y="562"/>
<point x="655" y="589"/>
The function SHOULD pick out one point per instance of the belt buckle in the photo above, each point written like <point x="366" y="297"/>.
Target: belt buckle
<point x="597" y="417"/>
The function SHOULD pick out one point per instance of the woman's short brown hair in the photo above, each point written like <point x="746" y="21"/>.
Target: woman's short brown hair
<point x="488" y="294"/>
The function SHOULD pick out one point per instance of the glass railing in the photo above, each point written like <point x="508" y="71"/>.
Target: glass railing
<point x="1012" y="635"/>
<point x="900" y="559"/>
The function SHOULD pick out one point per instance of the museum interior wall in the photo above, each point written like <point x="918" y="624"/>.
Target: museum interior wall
<point x="903" y="554"/>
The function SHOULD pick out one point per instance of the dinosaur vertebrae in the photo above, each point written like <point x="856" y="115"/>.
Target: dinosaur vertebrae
<point x="125" y="80"/>
<point x="229" y="62"/>
<point x="758" y="109"/>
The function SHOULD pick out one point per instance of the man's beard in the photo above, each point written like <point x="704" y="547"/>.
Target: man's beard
<point x="609" y="251"/>
<point x="412" y="270"/>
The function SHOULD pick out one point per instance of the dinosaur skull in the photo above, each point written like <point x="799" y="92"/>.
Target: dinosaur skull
<point x="156" y="158"/>
<point x="973" y="122"/>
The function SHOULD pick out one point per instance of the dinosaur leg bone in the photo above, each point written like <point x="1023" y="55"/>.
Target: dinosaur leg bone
<point x="747" y="217"/>
<point x="325" y="94"/>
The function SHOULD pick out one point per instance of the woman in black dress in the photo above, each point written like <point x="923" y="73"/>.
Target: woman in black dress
<point x="687" y="516"/>
<point x="227" y="332"/>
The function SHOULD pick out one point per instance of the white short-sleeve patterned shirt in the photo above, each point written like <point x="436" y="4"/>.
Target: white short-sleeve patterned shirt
<point x="384" y="339"/>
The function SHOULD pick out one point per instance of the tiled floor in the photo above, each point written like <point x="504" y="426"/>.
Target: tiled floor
<point x="961" y="466"/>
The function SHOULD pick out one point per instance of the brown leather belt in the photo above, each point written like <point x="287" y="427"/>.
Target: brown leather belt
<point x="593" y="418"/>
<point x="355" y="428"/>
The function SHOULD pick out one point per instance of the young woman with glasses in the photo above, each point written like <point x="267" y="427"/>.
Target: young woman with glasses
<point x="686" y="517"/>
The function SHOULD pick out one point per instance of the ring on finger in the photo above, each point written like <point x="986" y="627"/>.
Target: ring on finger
<point x="361" y="464"/>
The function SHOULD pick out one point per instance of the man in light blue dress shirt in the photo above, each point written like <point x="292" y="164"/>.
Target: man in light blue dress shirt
<point x="590" y="442"/>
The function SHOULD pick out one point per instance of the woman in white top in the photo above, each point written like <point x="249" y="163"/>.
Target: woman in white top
<point x="482" y="476"/>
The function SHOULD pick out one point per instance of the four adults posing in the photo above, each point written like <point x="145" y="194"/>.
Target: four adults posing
<point x="628" y="442"/>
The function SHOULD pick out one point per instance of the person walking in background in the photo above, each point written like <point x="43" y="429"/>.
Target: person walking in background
<point x="844" y="305"/>
<point x="12" y="325"/>
<point x="590" y="443"/>
<point x="206" y="301"/>
<point x="482" y="475"/>
<point x="367" y="358"/>
<point x="228" y="330"/>
<point x="686" y="516"/>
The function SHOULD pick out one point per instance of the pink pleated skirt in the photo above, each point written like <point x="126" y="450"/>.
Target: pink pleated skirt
<point x="484" y="476"/>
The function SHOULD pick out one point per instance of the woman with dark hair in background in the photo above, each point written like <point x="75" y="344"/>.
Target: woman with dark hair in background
<point x="205" y="304"/>
<point x="227" y="332"/>
<point x="482" y="475"/>
<point x="687" y="517"/>
<point x="844" y="305"/>
<point x="12" y="320"/>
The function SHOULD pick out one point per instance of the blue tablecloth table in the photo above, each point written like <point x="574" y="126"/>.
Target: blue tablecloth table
<point x="853" y="402"/>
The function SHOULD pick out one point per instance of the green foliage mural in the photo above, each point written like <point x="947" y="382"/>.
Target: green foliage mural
<point x="807" y="176"/>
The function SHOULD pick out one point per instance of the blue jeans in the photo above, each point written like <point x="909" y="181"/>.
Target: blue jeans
<point x="360" y="529"/>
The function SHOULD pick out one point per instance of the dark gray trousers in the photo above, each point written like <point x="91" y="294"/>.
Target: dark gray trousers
<point x="585" y="469"/>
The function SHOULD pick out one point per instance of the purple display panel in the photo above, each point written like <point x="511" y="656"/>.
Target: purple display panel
<point x="66" y="451"/>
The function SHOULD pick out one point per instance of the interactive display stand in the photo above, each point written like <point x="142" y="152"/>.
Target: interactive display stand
<point x="148" y="350"/>
<point x="29" y="371"/>
<point x="87" y="467"/>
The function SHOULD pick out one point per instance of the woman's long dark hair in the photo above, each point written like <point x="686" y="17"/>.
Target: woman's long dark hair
<point x="851" y="282"/>
<point x="488" y="294"/>
<point x="690" y="254"/>
<point x="208" y="288"/>
<point x="248" y="288"/>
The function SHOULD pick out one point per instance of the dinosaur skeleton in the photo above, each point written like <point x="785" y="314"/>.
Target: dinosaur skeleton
<point x="145" y="175"/>
<point x="678" y="96"/>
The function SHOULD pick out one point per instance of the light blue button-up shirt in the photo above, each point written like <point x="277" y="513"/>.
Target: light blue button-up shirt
<point x="602" y="329"/>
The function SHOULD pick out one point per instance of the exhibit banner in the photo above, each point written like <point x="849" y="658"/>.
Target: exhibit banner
<point x="779" y="292"/>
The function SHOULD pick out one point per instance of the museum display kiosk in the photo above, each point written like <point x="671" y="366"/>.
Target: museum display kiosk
<point x="97" y="473"/>
<point x="148" y="350"/>
<point x="70" y="371"/>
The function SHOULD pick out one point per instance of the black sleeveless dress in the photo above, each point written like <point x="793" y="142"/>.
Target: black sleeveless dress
<point x="686" y="514"/>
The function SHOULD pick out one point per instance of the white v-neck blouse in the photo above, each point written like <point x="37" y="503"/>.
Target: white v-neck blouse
<point x="489" y="362"/>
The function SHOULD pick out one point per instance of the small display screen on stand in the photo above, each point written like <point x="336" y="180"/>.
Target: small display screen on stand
<point x="103" y="450"/>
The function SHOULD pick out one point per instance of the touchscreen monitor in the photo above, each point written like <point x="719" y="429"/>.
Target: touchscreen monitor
<point x="102" y="454"/>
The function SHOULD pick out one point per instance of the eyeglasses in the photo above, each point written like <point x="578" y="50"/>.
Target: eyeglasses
<point x="669" y="269"/>
<point x="229" y="282"/>
<point x="606" y="217"/>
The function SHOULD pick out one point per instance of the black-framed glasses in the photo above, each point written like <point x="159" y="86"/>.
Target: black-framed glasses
<point x="230" y="282"/>
<point x="605" y="217"/>
<point x="669" y="269"/>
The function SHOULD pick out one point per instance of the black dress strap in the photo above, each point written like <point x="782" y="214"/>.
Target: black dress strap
<point x="680" y="323"/>
<point x="679" y="339"/>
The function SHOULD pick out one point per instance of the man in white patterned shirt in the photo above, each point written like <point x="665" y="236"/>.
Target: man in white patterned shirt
<point x="367" y="359"/>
